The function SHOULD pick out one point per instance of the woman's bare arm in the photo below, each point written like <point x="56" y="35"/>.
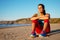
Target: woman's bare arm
<point x="34" y="18"/>
<point x="47" y="16"/>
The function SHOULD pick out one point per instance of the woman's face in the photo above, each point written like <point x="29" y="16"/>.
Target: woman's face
<point x="40" y="9"/>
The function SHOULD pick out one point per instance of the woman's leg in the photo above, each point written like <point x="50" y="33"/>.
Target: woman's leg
<point x="33" y="27"/>
<point x="34" y="23"/>
<point x="46" y="28"/>
<point x="33" y="33"/>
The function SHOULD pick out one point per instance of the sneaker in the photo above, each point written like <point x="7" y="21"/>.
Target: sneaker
<point x="43" y="34"/>
<point x="33" y="35"/>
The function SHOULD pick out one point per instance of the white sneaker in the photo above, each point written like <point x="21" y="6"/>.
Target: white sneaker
<point x="33" y="35"/>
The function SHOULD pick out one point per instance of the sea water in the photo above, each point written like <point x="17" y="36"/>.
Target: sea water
<point x="13" y="25"/>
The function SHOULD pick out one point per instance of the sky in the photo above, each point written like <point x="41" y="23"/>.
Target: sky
<point x="17" y="9"/>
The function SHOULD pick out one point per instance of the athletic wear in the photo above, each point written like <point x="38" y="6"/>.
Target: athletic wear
<point x="39" y="25"/>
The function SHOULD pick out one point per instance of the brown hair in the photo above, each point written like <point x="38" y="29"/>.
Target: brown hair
<point x="43" y="8"/>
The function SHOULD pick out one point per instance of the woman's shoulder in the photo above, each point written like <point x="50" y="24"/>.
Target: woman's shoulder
<point x="35" y="15"/>
<point x="47" y="14"/>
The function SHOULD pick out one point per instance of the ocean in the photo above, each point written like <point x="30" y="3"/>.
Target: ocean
<point x="13" y="25"/>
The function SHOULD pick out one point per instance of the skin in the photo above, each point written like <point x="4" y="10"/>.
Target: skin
<point x="41" y="16"/>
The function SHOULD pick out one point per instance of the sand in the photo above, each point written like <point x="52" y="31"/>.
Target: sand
<point x="23" y="33"/>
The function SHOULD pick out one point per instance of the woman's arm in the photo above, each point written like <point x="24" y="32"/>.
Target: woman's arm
<point x="47" y="16"/>
<point x="34" y="18"/>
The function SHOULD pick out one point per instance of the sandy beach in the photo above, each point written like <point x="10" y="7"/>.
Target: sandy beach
<point x="23" y="33"/>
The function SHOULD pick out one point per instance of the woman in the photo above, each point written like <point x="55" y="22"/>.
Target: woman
<point x="40" y="23"/>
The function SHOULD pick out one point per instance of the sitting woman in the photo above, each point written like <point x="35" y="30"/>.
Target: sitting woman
<point x="40" y="23"/>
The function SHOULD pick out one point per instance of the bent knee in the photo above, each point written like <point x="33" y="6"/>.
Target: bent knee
<point x="34" y="21"/>
<point x="46" y="20"/>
